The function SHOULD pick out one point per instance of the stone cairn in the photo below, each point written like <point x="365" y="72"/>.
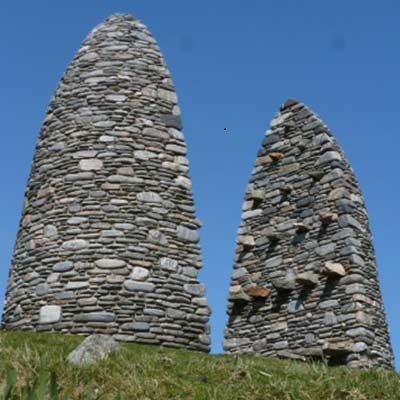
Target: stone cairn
<point x="108" y="240"/>
<point x="305" y="282"/>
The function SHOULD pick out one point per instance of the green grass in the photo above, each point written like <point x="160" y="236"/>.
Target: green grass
<point x="32" y="366"/>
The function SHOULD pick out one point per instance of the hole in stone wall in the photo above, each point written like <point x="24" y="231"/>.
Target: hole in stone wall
<point x="256" y="203"/>
<point x="256" y="305"/>
<point x="237" y="309"/>
<point x="281" y="298"/>
<point x="337" y="359"/>
<point x="304" y="293"/>
<point x="299" y="237"/>
<point x="322" y="230"/>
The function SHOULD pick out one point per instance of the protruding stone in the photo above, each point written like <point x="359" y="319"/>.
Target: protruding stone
<point x="286" y="189"/>
<point x="307" y="279"/>
<point x="328" y="218"/>
<point x="289" y="103"/>
<point x="272" y="235"/>
<point x="302" y="227"/>
<point x="236" y="293"/>
<point x="285" y="283"/>
<point x="247" y="241"/>
<point x="316" y="175"/>
<point x="257" y="194"/>
<point x="258" y="292"/>
<point x="329" y="156"/>
<point x="276" y="155"/>
<point x="337" y="348"/>
<point x="333" y="269"/>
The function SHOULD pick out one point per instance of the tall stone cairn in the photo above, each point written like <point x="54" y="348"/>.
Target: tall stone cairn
<point x="305" y="281"/>
<point x="108" y="240"/>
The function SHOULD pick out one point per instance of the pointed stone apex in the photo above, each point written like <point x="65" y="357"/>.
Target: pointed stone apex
<point x="289" y="103"/>
<point x="120" y="17"/>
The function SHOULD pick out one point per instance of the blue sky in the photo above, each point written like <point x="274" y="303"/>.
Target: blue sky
<point x="233" y="63"/>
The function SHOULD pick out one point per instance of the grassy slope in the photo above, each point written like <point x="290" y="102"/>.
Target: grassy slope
<point x="150" y="372"/>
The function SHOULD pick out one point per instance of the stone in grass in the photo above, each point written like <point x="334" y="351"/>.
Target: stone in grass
<point x="92" y="349"/>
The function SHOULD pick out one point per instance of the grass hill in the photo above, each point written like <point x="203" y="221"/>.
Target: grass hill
<point x="32" y="366"/>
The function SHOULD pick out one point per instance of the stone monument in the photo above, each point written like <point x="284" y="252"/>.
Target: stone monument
<point x="108" y="239"/>
<point x="305" y="283"/>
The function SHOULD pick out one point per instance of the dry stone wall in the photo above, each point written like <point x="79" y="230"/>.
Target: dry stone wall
<point x="305" y="282"/>
<point x="108" y="240"/>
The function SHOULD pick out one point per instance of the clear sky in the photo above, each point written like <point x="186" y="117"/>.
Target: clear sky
<point x="233" y="63"/>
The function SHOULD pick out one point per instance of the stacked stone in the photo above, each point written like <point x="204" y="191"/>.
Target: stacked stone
<point x="108" y="240"/>
<point x="305" y="282"/>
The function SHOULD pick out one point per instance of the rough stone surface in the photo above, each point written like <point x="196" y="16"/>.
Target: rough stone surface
<point x="94" y="348"/>
<point x="311" y="247"/>
<point x="109" y="210"/>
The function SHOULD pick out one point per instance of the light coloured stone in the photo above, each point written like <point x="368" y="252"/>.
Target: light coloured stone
<point x="169" y="264"/>
<point x="91" y="164"/>
<point x="329" y="156"/>
<point x="139" y="274"/>
<point x="76" y="285"/>
<point x="117" y="98"/>
<point x="334" y="269"/>
<point x="195" y="289"/>
<point x="92" y="349"/>
<point x="50" y="314"/>
<point x="149" y="197"/>
<point x="110" y="263"/>
<point x="187" y="234"/>
<point x="75" y="244"/>
<point x="51" y="232"/>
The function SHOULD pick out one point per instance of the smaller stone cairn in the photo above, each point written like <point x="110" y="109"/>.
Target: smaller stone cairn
<point x="305" y="282"/>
